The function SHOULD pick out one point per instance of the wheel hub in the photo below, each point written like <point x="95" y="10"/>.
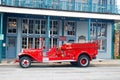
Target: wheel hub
<point x="83" y="61"/>
<point x="25" y="63"/>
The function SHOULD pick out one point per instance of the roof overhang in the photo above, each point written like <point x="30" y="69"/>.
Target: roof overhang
<point x="59" y="13"/>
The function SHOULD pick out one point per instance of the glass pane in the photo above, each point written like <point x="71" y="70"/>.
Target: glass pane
<point x="98" y="31"/>
<point x="70" y="27"/>
<point x="43" y="27"/>
<point x="12" y="25"/>
<point x="24" y="42"/>
<point x="31" y="25"/>
<point x="102" y="45"/>
<point x="54" y="27"/>
<point x="30" y="42"/>
<point x="25" y="26"/>
<point x="11" y="42"/>
<point x="37" y="43"/>
<point x="53" y="42"/>
<point x="37" y="27"/>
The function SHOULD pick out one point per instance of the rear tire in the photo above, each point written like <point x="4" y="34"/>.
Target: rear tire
<point x="25" y="62"/>
<point x="83" y="61"/>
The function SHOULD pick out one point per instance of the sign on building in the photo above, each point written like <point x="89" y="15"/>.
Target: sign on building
<point x="62" y="38"/>
<point x="1" y="37"/>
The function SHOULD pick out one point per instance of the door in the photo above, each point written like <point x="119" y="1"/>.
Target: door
<point x="11" y="48"/>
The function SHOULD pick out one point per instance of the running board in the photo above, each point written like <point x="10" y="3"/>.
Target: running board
<point x="47" y="60"/>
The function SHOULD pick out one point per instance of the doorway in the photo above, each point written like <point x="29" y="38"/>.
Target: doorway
<point x="11" y="48"/>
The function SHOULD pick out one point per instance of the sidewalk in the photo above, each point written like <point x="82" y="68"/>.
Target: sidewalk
<point x="104" y="63"/>
<point x="94" y="63"/>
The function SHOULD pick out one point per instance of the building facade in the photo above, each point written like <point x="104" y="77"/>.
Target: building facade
<point x="48" y="23"/>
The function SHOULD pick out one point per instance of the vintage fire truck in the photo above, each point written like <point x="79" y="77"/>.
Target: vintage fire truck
<point x="78" y="54"/>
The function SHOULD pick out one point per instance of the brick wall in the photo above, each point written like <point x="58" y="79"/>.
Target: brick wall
<point x="116" y="49"/>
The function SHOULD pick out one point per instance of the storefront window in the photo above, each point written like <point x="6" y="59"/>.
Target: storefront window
<point x="70" y="28"/>
<point x="24" y="42"/>
<point x="54" y="27"/>
<point x="12" y="25"/>
<point x="31" y="25"/>
<point x="37" y="26"/>
<point x="43" y="27"/>
<point x="53" y="42"/>
<point x="27" y="42"/>
<point x="25" y="26"/>
<point x="34" y="30"/>
<point x="98" y="32"/>
<point x="39" y="42"/>
<point x="30" y="42"/>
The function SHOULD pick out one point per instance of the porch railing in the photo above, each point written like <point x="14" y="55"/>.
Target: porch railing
<point x="61" y="5"/>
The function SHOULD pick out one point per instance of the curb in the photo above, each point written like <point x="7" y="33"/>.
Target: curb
<point x="94" y="63"/>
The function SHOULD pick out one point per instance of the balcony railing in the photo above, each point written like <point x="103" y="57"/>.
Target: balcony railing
<point x="61" y="5"/>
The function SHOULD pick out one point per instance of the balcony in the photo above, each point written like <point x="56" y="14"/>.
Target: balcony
<point x="61" y="5"/>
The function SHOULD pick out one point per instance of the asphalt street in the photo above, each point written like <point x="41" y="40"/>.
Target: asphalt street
<point x="59" y="72"/>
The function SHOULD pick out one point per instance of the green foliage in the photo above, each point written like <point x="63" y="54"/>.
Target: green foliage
<point x="117" y="26"/>
<point x="118" y="57"/>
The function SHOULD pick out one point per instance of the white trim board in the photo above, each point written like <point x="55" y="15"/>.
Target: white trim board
<point x="59" y="13"/>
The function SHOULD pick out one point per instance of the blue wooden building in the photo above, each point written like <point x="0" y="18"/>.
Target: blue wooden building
<point x="48" y="23"/>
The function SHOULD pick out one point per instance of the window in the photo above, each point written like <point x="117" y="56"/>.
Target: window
<point x="37" y="27"/>
<point x="53" y="27"/>
<point x="31" y="25"/>
<point x="12" y="25"/>
<point x="55" y="4"/>
<point x="53" y="42"/>
<point x="98" y="32"/>
<point x="30" y="42"/>
<point x="102" y="5"/>
<point x="71" y="4"/>
<point x="43" y="27"/>
<point x="40" y="42"/>
<point x="24" y="42"/>
<point x="70" y="28"/>
<point x="25" y="26"/>
<point x="27" y="42"/>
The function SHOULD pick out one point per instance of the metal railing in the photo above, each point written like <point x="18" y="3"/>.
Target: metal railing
<point x="61" y="5"/>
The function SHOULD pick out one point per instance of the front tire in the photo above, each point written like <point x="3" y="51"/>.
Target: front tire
<point x="83" y="61"/>
<point x="25" y="62"/>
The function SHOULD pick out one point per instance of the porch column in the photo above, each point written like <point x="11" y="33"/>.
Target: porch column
<point x="90" y="5"/>
<point x="48" y="34"/>
<point x="112" y="42"/>
<point x="89" y="22"/>
<point x="63" y="29"/>
<point x="1" y="25"/>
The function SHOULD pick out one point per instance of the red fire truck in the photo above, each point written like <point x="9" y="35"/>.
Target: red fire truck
<point x="79" y="54"/>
